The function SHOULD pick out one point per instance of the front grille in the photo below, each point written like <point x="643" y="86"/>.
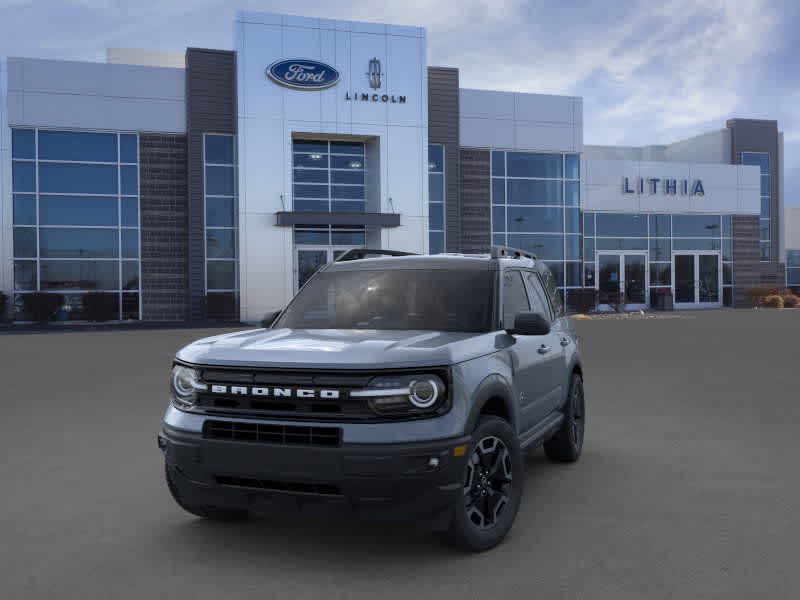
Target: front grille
<point x="272" y="434"/>
<point x="294" y="487"/>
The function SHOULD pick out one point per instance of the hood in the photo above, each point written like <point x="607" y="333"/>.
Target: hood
<point x="337" y="348"/>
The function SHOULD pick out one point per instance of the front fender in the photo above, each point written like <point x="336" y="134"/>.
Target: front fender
<point x="493" y="386"/>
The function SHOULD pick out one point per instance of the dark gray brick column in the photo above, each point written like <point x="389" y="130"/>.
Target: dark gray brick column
<point x="476" y="216"/>
<point x="746" y="254"/>
<point x="165" y="226"/>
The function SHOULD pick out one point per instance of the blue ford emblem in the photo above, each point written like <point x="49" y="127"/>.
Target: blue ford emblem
<point x="302" y="74"/>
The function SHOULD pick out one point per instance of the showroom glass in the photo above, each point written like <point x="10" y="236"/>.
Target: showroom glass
<point x="76" y="218"/>
<point x="219" y="156"/>
<point x="660" y="235"/>
<point x="328" y="176"/>
<point x="793" y="268"/>
<point x="761" y="160"/>
<point x="536" y="207"/>
<point x="435" y="198"/>
<point x="394" y="299"/>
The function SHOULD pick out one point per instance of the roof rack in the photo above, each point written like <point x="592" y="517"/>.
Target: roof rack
<point x="508" y="252"/>
<point x="359" y="253"/>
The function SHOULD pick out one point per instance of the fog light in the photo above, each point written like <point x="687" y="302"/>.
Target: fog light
<point x="433" y="462"/>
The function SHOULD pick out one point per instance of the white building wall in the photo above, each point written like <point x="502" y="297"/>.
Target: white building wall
<point x="519" y="121"/>
<point x="729" y="189"/>
<point x="146" y="58"/>
<point x="82" y="95"/>
<point x="713" y="147"/>
<point x="269" y="115"/>
<point x="791" y="228"/>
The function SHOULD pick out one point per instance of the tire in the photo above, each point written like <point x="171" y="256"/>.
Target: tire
<point x="566" y="445"/>
<point x="492" y="492"/>
<point x="212" y="513"/>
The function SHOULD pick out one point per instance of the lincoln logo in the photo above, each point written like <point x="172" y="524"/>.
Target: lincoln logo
<point x="374" y="74"/>
<point x="301" y="74"/>
<point x="274" y="392"/>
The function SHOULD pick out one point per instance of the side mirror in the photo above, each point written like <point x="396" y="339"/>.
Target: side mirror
<point x="530" y="323"/>
<point x="269" y="319"/>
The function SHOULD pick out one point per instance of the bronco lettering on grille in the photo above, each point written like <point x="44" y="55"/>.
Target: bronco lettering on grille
<point x="275" y="392"/>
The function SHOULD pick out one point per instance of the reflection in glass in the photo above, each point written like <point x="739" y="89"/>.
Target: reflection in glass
<point x="55" y="242"/>
<point x="77" y="210"/>
<point x="67" y="178"/>
<point x="221" y="274"/>
<point x="80" y="275"/>
<point x="25" y="242"/>
<point x="621" y="225"/>
<point x="77" y="146"/>
<point x="220" y="243"/>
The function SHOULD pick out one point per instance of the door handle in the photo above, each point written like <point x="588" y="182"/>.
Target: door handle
<point x="565" y="341"/>
<point x="543" y="349"/>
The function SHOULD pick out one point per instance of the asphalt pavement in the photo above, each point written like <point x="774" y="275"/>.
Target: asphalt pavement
<point x="688" y="486"/>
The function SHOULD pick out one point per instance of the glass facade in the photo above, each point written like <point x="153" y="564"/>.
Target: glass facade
<point x="219" y="157"/>
<point x="436" y="198"/>
<point x="328" y="176"/>
<point x="793" y="268"/>
<point x="76" y="219"/>
<point x="536" y="207"/>
<point x="660" y="235"/>
<point x="761" y="160"/>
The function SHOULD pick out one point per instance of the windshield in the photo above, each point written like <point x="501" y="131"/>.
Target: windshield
<point x="438" y="300"/>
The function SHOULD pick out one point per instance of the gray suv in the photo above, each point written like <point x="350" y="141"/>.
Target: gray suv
<point x="393" y="385"/>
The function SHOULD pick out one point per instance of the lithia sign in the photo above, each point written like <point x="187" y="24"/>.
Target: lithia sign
<point x="306" y="74"/>
<point x="667" y="186"/>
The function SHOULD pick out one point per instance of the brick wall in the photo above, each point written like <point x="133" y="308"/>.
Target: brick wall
<point x="746" y="253"/>
<point x="165" y="232"/>
<point x="476" y="216"/>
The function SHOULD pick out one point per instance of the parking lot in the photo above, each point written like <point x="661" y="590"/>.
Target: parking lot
<point x="688" y="487"/>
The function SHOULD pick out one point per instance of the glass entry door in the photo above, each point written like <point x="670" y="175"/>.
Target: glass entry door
<point x="622" y="280"/>
<point x="308" y="260"/>
<point x="697" y="279"/>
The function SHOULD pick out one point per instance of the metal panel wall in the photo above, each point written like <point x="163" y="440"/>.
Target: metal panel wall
<point x="443" y="128"/>
<point x="210" y="108"/>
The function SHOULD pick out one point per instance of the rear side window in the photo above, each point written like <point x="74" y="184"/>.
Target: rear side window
<point x="551" y="287"/>
<point x="515" y="298"/>
<point x="538" y="296"/>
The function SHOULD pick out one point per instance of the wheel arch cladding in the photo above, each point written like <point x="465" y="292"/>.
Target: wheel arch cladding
<point x="493" y="397"/>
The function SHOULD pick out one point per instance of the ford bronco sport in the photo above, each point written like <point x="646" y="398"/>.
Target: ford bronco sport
<point x="392" y="384"/>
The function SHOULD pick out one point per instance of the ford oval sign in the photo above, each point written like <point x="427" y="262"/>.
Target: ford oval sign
<point x="303" y="74"/>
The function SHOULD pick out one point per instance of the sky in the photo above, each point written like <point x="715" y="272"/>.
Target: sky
<point x="650" y="72"/>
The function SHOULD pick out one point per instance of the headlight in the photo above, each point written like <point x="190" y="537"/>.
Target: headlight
<point x="185" y="383"/>
<point x="405" y="395"/>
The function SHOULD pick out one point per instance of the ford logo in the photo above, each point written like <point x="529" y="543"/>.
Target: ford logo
<point x="302" y="74"/>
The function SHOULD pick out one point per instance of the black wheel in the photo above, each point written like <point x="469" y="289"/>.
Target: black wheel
<point x="493" y="482"/>
<point x="567" y="443"/>
<point x="213" y="513"/>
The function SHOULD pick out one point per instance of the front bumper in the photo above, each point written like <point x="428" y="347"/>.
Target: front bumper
<point x="395" y="481"/>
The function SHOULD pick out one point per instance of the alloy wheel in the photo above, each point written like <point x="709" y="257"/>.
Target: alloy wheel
<point x="487" y="485"/>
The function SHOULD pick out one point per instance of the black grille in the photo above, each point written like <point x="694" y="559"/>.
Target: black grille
<point x="294" y="487"/>
<point x="272" y="434"/>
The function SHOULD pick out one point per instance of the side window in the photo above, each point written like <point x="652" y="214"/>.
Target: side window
<point x="538" y="296"/>
<point x="551" y="287"/>
<point x="515" y="299"/>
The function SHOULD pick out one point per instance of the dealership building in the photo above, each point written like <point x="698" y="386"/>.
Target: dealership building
<point x="212" y="183"/>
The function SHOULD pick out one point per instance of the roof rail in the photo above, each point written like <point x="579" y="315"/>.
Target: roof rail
<point x="508" y="252"/>
<point x="359" y="253"/>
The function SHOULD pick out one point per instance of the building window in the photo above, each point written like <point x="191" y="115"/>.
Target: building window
<point x="761" y="160"/>
<point x="222" y="281"/>
<point x="536" y="207"/>
<point x="658" y="235"/>
<point x="328" y="176"/>
<point x="436" y="198"/>
<point x="76" y="220"/>
<point x="793" y="268"/>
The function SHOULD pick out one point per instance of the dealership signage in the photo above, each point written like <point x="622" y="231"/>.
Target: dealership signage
<point x="667" y="186"/>
<point x="375" y="78"/>
<point x="302" y="74"/>
<point x="306" y="74"/>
